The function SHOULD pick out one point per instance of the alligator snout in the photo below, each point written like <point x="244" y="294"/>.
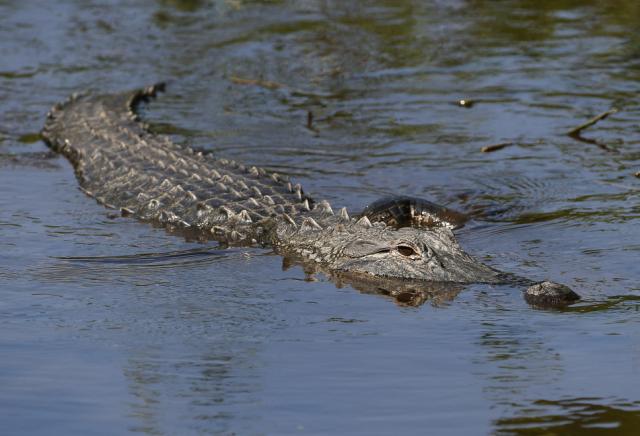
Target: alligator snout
<point x="550" y="294"/>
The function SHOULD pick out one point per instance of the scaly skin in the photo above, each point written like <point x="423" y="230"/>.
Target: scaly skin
<point x="124" y="166"/>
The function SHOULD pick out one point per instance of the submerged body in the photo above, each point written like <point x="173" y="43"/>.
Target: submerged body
<point x="123" y="166"/>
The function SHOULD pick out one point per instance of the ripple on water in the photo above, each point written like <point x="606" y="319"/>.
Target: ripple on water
<point x="111" y="320"/>
<point x="140" y="269"/>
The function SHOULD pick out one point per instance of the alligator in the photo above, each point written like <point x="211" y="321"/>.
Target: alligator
<point x="402" y="245"/>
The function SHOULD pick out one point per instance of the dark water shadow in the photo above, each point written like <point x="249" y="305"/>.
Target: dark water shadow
<point x="139" y="269"/>
<point x="168" y="258"/>
<point x="403" y="293"/>
<point x="45" y="160"/>
<point x="574" y="416"/>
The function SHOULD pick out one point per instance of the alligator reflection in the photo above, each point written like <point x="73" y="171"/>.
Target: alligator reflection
<point x="574" y="416"/>
<point x="403" y="292"/>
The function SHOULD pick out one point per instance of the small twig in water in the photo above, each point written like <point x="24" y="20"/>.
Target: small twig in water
<point x="576" y="130"/>
<point x="309" y="120"/>
<point x="264" y="83"/>
<point x="46" y="294"/>
<point x="495" y="147"/>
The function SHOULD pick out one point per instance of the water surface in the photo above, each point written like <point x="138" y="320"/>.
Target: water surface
<point x="109" y="326"/>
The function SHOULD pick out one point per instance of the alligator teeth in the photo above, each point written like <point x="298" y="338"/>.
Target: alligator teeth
<point x="126" y="211"/>
<point x="215" y="174"/>
<point x="344" y="214"/>
<point x="166" y="184"/>
<point x="235" y="193"/>
<point x="305" y="204"/>
<point x="310" y="224"/>
<point x="289" y="187"/>
<point x="254" y="172"/>
<point x="226" y="179"/>
<point x="243" y="185"/>
<point x="364" y="222"/>
<point x="191" y="195"/>
<point x="252" y="201"/>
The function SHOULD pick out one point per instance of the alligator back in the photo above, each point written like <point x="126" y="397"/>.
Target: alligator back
<point x="124" y="166"/>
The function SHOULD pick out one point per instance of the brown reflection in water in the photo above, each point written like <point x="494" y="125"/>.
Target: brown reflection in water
<point x="632" y="301"/>
<point x="403" y="292"/>
<point x="576" y="416"/>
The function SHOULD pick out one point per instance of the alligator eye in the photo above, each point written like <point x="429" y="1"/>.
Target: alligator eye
<point x="406" y="250"/>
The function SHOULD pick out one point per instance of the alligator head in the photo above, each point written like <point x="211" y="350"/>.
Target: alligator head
<point x="379" y="250"/>
<point x="409" y="253"/>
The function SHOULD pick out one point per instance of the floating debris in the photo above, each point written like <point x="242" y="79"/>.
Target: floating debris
<point x="263" y="83"/>
<point x="576" y="130"/>
<point x="495" y="147"/>
<point x="309" y="120"/>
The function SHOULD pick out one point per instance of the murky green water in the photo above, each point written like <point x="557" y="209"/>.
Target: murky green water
<point x="109" y="326"/>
